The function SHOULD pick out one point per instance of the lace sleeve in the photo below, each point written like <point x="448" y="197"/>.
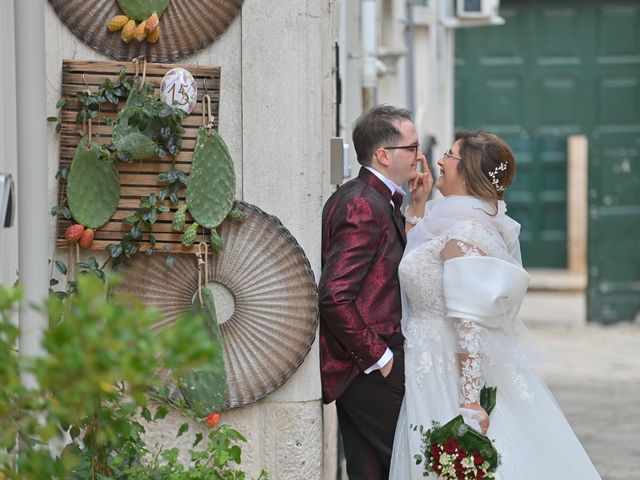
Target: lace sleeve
<point x="470" y="357"/>
<point x="469" y="334"/>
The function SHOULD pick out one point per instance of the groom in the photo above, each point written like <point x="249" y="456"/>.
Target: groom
<point x="363" y="237"/>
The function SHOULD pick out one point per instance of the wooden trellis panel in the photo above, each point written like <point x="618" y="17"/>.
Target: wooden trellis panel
<point x="139" y="178"/>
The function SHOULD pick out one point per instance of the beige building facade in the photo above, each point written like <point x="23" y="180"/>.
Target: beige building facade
<point x="277" y="112"/>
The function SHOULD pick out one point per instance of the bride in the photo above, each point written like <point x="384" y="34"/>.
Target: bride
<point x="462" y="284"/>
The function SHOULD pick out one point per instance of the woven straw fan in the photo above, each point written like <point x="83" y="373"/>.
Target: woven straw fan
<point x="186" y="26"/>
<point x="265" y="297"/>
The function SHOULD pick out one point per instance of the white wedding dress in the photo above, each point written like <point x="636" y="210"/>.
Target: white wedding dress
<point x="462" y="286"/>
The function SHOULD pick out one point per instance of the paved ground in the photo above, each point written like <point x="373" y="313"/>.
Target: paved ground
<point x="594" y="373"/>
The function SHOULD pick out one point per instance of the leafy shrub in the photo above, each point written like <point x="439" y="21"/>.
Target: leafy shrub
<point x="94" y="381"/>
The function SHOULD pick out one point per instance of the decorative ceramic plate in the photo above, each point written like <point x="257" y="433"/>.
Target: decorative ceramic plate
<point x="265" y="296"/>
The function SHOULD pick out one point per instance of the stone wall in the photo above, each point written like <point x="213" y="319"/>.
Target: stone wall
<point x="276" y="116"/>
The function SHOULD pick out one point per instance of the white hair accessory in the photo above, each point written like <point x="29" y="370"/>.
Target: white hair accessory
<point x="494" y="176"/>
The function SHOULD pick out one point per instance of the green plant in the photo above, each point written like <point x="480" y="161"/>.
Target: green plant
<point x="205" y="388"/>
<point x="211" y="187"/>
<point x="146" y="126"/>
<point x="217" y="461"/>
<point x="110" y="91"/>
<point x="89" y="266"/>
<point x="141" y="221"/>
<point x="93" y="185"/>
<point x="100" y="361"/>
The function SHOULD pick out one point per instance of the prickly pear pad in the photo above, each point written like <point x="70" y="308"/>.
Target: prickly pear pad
<point x="205" y="389"/>
<point x="93" y="187"/>
<point x="212" y="183"/>
<point x="141" y="9"/>
<point x="128" y="138"/>
<point x="136" y="98"/>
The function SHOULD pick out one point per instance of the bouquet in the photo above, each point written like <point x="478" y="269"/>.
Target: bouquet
<point x="455" y="451"/>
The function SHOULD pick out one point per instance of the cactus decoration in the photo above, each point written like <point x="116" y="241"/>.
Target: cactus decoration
<point x="211" y="186"/>
<point x="190" y="235"/>
<point x="147" y="127"/>
<point x="93" y="185"/>
<point x="147" y="12"/>
<point x="205" y="389"/>
<point x="141" y="9"/>
<point x="127" y="136"/>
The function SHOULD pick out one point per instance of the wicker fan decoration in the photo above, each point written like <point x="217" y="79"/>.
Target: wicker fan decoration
<point x="173" y="29"/>
<point x="274" y="315"/>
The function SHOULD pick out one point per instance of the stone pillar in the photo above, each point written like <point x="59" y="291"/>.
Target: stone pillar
<point x="276" y="116"/>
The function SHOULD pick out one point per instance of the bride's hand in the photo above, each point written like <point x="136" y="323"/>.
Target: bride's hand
<point x="421" y="185"/>
<point x="476" y="413"/>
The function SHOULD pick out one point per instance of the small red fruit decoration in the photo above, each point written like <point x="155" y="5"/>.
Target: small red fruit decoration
<point x="74" y="233"/>
<point x="87" y="238"/>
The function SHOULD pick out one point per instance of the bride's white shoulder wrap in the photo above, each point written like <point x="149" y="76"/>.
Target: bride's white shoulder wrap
<point x="485" y="290"/>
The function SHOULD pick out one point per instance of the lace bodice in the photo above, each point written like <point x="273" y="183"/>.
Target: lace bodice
<point x="425" y="325"/>
<point x="420" y="274"/>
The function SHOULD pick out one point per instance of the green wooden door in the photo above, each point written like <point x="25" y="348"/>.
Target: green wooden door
<point x="614" y="163"/>
<point x="562" y="67"/>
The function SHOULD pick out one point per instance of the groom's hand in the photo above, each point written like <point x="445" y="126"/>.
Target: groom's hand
<point x="386" y="370"/>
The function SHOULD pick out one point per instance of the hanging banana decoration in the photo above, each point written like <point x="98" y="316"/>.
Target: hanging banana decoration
<point x="147" y="12"/>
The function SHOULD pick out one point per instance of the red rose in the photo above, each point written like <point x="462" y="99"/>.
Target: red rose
<point x="213" y="419"/>
<point x="478" y="459"/>
<point x="434" y="449"/>
<point x="480" y="474"/>
<point x="450" y="445"/>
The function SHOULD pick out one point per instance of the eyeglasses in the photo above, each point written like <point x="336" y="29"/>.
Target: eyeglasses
<point x="413" y="146"/>
<point x="447" y="154"/>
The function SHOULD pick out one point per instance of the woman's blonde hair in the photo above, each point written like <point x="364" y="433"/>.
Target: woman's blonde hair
<point x="487" y="165"/>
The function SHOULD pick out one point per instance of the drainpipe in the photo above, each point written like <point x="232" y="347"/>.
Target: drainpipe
<point x="32" y="172"/>
<point x="369" y="32"/>
<point x="409" y="60"/>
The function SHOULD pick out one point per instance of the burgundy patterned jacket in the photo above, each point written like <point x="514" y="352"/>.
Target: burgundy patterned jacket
<point x="359" y="292"/>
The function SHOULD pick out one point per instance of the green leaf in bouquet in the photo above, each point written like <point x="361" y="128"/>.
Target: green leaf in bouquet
<point x="488" y="398"/>
<point x="467" y="437"/>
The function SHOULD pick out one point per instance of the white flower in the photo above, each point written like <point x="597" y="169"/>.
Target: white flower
<point x="445" y="459"/>
<point x="467" y="462"/>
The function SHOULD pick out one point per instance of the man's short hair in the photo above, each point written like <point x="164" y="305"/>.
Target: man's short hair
<point x="378" y="126"/>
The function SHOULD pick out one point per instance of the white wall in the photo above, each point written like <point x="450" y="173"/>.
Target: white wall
<point x="432" y="68"/>
<point x="276" y="115"/>
<point x="8" y="158"/>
